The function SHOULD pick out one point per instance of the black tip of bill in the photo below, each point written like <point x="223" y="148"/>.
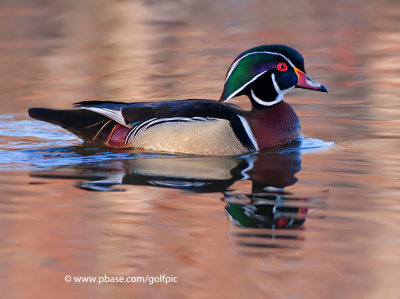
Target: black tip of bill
<point x="323" y="88"/>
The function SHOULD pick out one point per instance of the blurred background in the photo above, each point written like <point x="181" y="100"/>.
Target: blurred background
<point x="54" y="53"/>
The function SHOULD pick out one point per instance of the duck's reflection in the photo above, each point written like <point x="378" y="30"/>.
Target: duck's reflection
<point x="264" y="206"/>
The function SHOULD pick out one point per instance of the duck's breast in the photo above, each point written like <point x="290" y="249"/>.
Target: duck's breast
<point x="274" y="126"/>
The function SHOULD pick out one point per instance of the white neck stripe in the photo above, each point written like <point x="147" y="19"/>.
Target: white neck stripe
<point x="249" y="132"/>
<point x="278" y="99"/>
<point x="261" y="52"/>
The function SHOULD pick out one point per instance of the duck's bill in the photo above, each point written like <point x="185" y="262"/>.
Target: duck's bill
<point x="306" y="82"/>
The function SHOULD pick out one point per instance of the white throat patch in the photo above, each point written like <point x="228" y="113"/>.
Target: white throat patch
<point x="279" y="91"/>
<point x="278" y="99"/>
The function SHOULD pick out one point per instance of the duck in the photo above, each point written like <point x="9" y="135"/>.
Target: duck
<point x="202" y="126"/>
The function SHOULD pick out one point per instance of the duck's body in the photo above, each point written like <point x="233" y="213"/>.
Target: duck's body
<point x="204" y="127"/>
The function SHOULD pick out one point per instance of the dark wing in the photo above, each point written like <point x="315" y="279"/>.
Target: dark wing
<point x="128" y="114"/>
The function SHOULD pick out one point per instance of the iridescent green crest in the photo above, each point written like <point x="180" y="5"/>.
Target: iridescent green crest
<point x="253" y="63"/>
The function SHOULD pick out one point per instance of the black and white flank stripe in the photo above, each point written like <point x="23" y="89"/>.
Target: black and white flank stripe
<point x="141" y="127"/>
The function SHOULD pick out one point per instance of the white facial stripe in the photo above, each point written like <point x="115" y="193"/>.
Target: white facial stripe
<point x="279" y="91"/>
<point x="249" y="132"/>
<point x="243" y="86"/>
<point x="261" y="52"/>
<point x="277" y="88"/>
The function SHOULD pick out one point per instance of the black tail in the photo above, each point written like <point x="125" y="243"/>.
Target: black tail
<point x="87" y="125"/>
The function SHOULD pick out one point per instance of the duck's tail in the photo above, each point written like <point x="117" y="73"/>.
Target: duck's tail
<point x="87" y="125"/>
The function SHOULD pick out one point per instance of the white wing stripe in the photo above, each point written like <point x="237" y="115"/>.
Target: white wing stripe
<point x="115" y="115"/>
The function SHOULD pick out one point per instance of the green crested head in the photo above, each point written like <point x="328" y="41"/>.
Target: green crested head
<point x="265" y="74"/>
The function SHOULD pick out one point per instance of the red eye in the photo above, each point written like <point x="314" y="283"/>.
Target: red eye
<point x="281" y="66"/>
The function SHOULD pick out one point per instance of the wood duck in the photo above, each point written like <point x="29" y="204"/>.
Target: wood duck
<point x="197" y="126"/>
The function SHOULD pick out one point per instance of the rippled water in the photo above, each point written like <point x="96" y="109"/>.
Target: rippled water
<point x="318" y="219"/>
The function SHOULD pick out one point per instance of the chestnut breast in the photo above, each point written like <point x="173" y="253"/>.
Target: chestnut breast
<point x="274" y="126"/>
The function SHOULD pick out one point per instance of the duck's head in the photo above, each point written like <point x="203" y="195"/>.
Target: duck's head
<point x="265" y="74"/>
